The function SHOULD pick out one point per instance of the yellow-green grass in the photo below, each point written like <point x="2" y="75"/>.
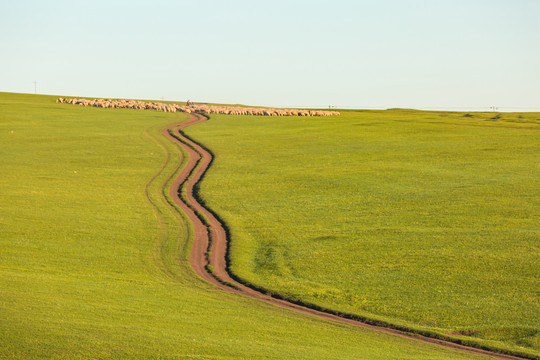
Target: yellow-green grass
<point x="93" y="259"/>
<point x="428" y="220"/>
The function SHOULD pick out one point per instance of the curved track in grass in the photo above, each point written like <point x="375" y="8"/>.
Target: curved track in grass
<point x="209" y="249"/>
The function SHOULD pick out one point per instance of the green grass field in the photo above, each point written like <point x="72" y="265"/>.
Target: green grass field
<point x="93" y="258"/>
<point x="429" y="220"/>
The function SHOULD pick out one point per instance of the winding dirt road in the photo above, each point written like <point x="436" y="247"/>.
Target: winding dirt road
<point x="210" y="243"/>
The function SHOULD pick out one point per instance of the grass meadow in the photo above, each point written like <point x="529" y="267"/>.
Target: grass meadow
<point x="93" y="259"/>
<point x="429" y="220"/>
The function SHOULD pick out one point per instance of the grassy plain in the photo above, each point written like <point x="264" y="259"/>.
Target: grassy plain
<point x="425" y="219"/>
<point x="93" y="258"/>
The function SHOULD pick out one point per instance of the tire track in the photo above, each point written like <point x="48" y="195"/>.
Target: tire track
<point x="158" y="256"/>
<point x="209" y="248"/>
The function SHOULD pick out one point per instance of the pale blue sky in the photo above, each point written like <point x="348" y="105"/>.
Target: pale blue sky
<point x="370" y="54"/>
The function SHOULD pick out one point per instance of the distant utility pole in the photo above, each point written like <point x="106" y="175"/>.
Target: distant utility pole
<point x="35" y="87"/>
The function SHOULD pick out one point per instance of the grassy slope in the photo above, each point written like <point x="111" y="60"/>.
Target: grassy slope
<point x="421" y="218"/>
<point x="90" y="269"/>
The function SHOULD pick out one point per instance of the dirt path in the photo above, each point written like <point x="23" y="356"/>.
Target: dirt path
<point x="210" y="235"/>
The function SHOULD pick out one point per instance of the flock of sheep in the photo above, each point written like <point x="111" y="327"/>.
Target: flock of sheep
<point x="194" y="108"/>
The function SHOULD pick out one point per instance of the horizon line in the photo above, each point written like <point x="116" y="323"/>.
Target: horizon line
<point x="336" y="107"/>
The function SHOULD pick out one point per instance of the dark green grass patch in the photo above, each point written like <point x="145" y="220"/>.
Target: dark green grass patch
<point x="428" y="220"/>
